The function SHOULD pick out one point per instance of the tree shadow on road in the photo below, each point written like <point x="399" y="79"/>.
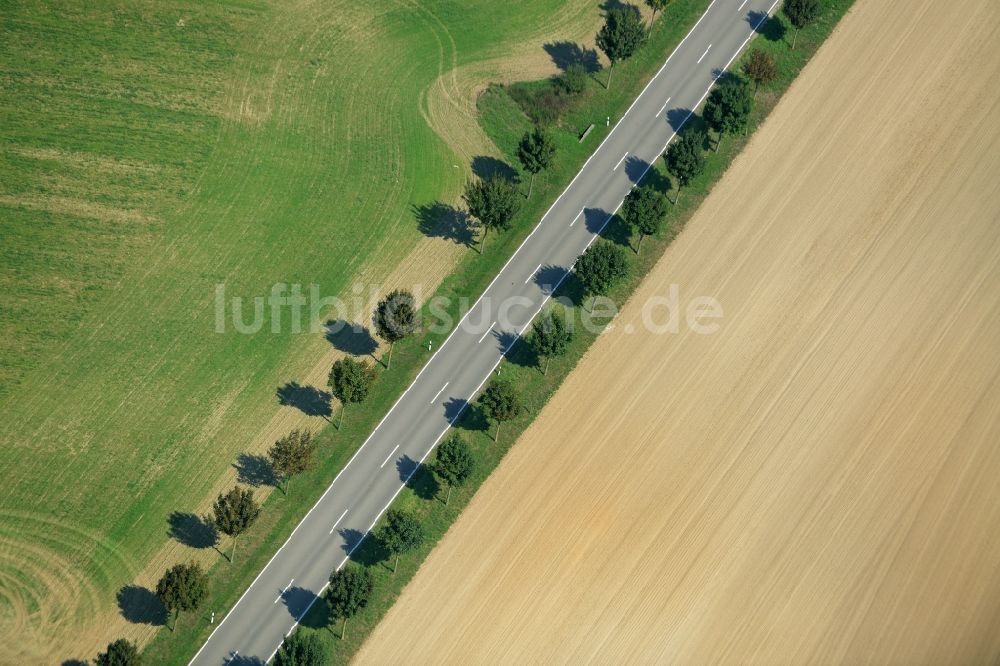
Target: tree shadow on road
<point x="365" y="550"/>
<point x="297" y="600"/>
<point x="465" y="415"/>
<point x="421" y="481"/>
<point x="773" y="29"/>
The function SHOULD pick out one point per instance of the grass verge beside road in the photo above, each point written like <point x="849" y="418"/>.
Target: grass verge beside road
<point x="505" y="123"/>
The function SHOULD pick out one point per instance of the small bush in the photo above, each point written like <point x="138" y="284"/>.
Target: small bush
<point x="574" y="79"/>
<point x="541" y="101"/>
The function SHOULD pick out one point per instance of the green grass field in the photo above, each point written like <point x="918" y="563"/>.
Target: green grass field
<point x="150" y="151"/>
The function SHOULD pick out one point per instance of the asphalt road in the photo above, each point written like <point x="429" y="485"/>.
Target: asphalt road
<point x="253" y="630"/>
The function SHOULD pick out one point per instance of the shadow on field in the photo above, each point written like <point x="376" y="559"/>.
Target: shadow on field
<point x="192" y="530"/>
<point x="307" y="399"/>
<point x="439" y="220"/>
<point x="609" y="5"/>
<point x="485" y="166"/>
<point x="568" y="53"/>
<point x="350" y="338"/>
<point x="140" y="606"/>
<point x="254" y="470"/>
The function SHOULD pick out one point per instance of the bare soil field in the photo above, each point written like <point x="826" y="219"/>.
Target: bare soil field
<point x="817" y="481"/>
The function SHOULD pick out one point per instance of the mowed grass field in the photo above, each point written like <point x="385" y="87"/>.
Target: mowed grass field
<point x="150" y="151"/>
<point x="815" y="482"/>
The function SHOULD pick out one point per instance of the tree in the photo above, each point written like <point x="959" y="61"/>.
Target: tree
<point x="349" y="592"/>
<point x="182" y="588"/>
<point x="301" y="649"/>
<point x="685" y="160"/>
<point x="657" y="5"/>
<point x="644" y="209"/>
<point x="454" y="462"/>
<point x="120" y="653"/>
<point x="728" y="107"/>
<point x="501" y="402"/>
<point x="493" y="202"/>
<point x="235" y="512"/>
<point x="536" y="151"/>
<point x="760" y="68"/>
<point x="400" y="534"/>
<point x="603" y="264"/>
<point x="621" y="35"/>
<point x="350" y="381"/>
<point x="293" y="454"/>
<point x="800" y="13"/>
<point x="395" y="318"/>
<point x="550" y="337"/>
<point x="574" y="79"/>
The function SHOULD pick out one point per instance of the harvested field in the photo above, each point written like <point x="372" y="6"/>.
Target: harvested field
<point x="816" y="482"/>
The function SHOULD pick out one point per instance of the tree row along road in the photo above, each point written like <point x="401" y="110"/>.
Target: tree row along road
<point x="363" y="490"/>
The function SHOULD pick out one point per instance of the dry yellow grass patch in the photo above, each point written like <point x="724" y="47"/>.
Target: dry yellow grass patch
<point x="815" y="483"/>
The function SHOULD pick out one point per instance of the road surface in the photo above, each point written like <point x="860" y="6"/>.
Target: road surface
<point x="271" y="607"/>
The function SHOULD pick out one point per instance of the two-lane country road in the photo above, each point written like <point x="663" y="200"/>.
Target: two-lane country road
<point x="349" y="508"/>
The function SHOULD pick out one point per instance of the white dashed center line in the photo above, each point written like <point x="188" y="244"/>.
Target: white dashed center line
<point x="388" y="456"/>
<point x="284" y="590"/>
<point x="439" y="393"/>
<point x="338" y="521"/>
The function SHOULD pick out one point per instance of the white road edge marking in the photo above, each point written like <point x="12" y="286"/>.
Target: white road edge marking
<point x="533" y="273"/>
<point x="338" y="521"/>
<point x="662" y="108"/>
<point x="283" y="591"/>
<point x="544" y="301"/>
<point x="434" y="399"/>
<point x="388" y="457"/>
<point x="620" y="162"/>
<point x="495" y="278"/>
<point x="487" y="332"/>
<point x="704" y="54"/>
<point x="577" y="217"/>
<point x="743" y="5"/>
